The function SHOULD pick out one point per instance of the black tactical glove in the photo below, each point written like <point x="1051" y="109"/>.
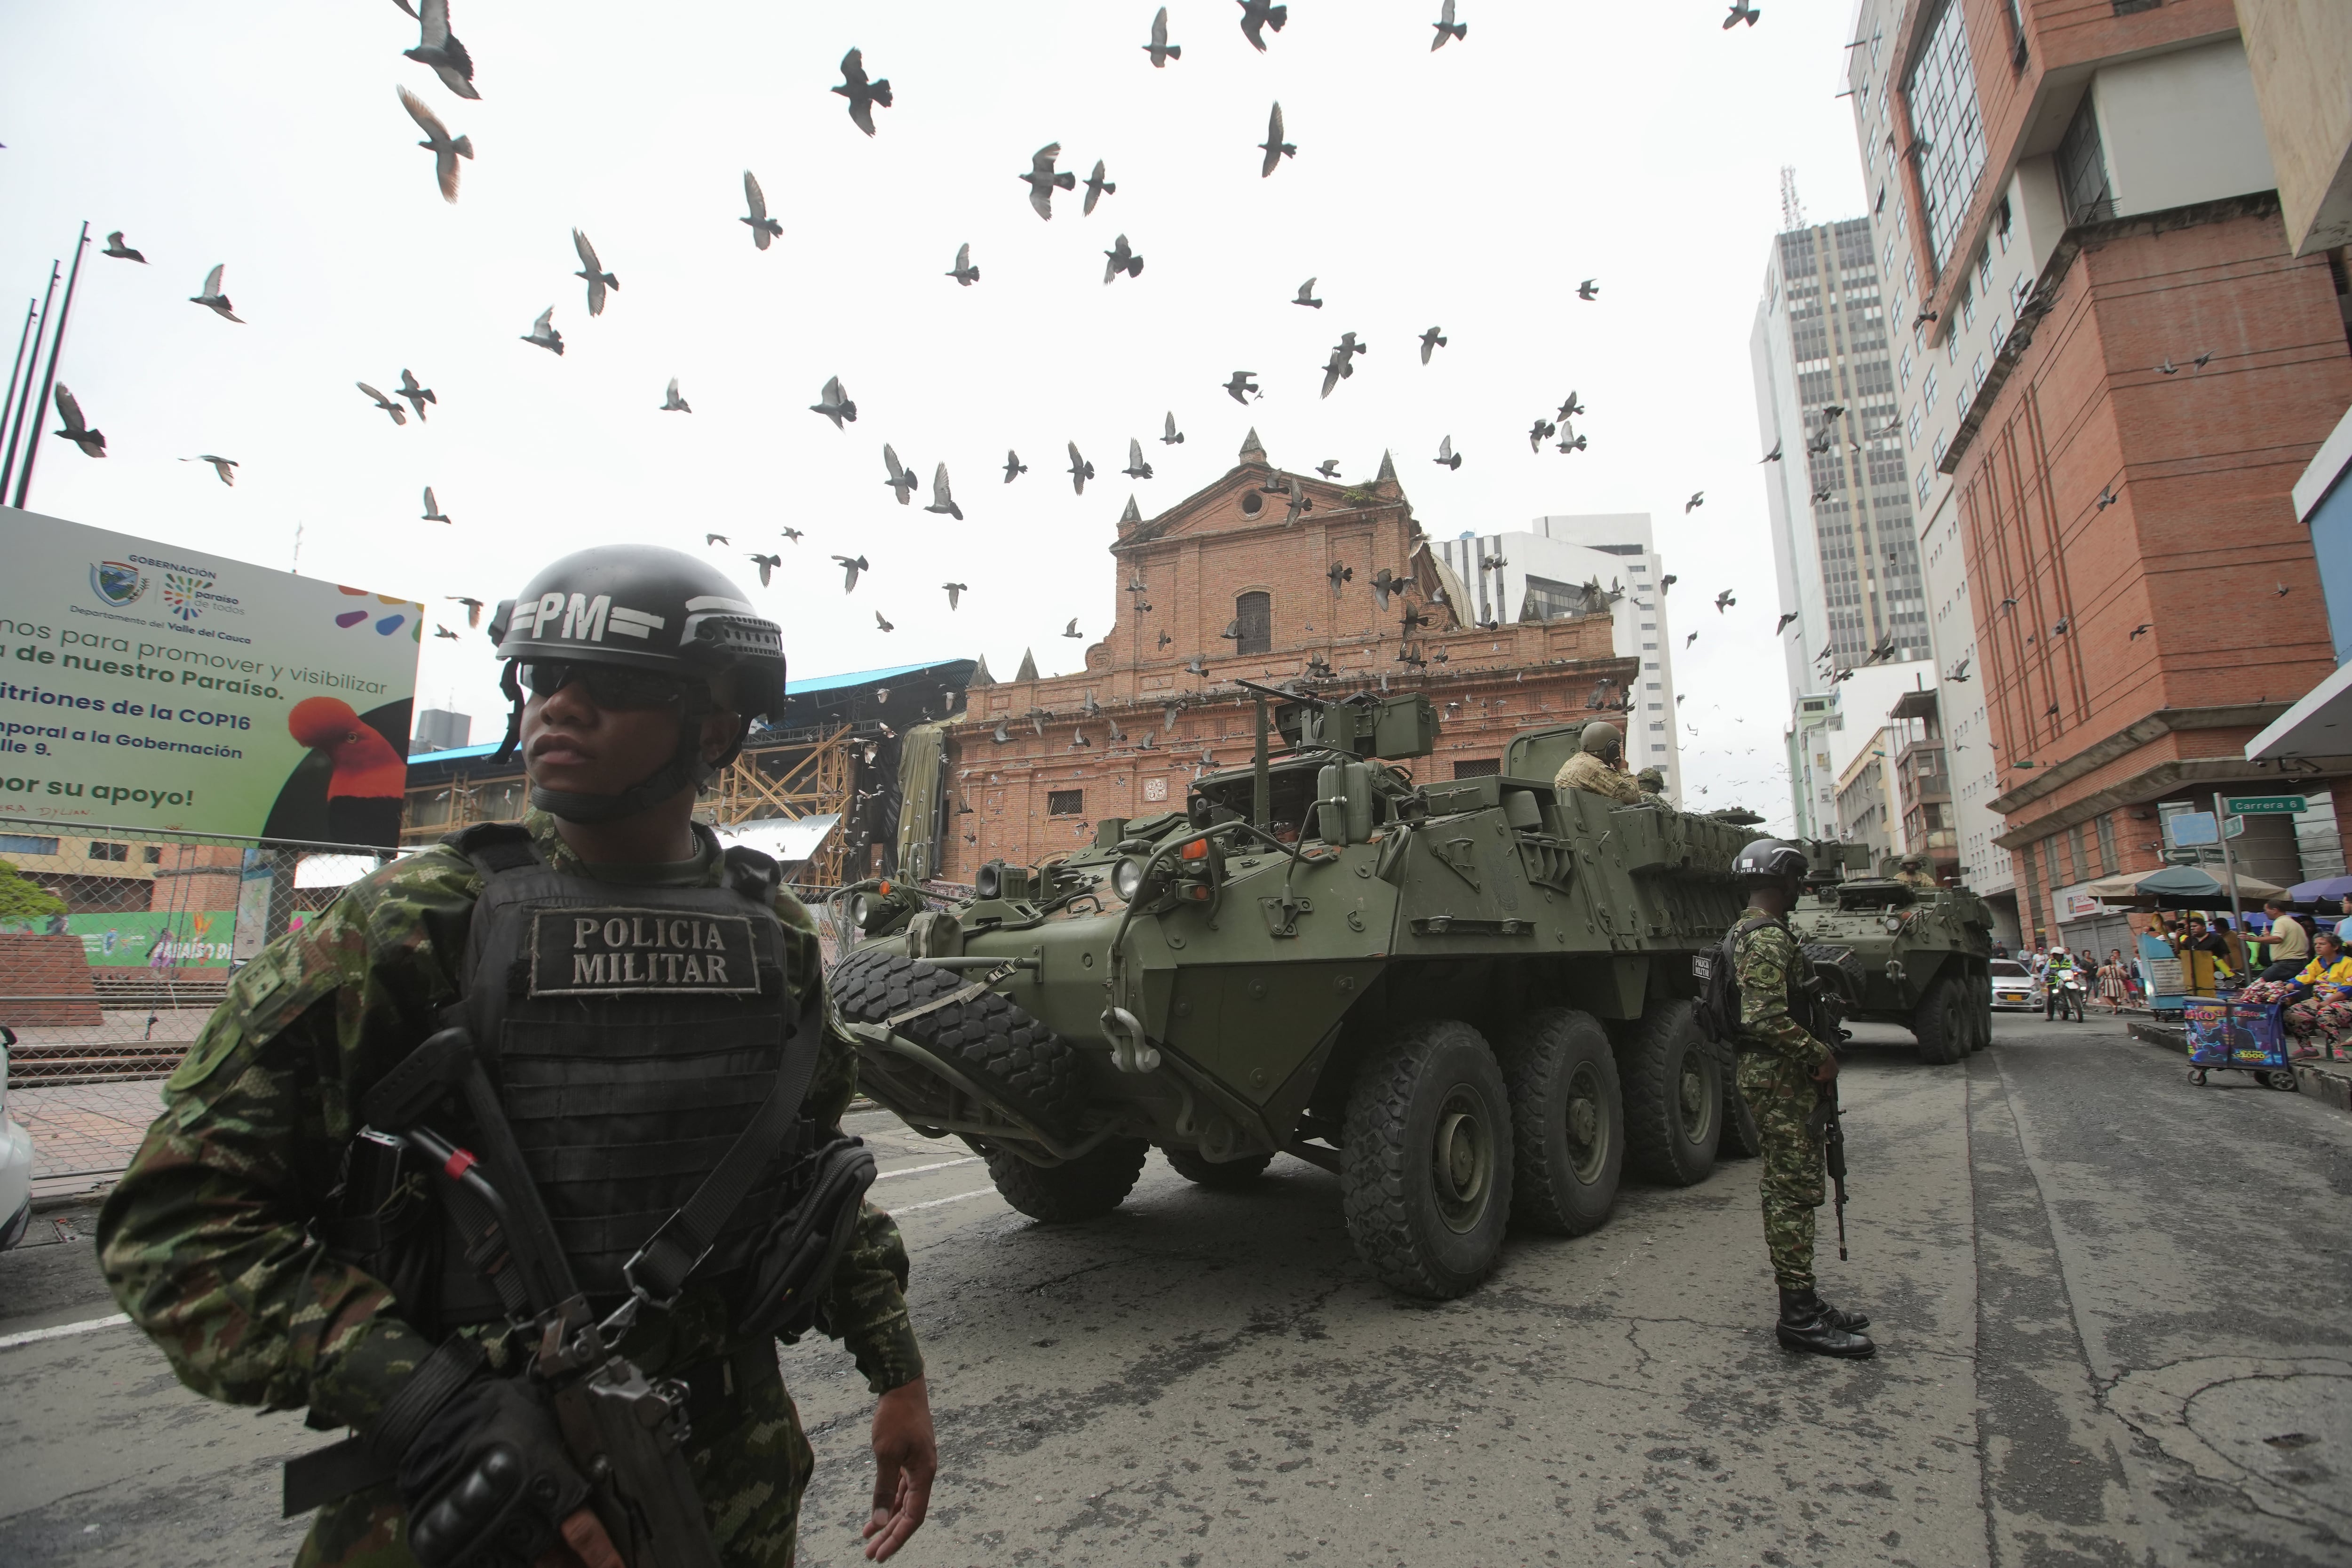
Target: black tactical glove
<point x="488" y="1482"/>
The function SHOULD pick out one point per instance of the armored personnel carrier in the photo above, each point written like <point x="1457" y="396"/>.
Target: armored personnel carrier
<point x="1919" y="957"/>
<point x="1471" y="999"/>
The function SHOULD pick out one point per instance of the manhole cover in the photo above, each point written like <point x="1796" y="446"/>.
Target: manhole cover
<point x="2295" y="1431"/>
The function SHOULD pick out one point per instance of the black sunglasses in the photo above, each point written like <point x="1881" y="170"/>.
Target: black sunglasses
<point x="607" y="685"/>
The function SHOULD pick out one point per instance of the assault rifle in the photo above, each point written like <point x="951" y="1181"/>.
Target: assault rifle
<point x="1826" y="1121"/>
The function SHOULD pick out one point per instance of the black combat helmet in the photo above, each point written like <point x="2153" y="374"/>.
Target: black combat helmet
<point x="1768" y="860"/>
<point x="642" y="607"/>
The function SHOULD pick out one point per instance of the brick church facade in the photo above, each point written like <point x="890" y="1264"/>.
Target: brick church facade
<point x="1269" y="576"/>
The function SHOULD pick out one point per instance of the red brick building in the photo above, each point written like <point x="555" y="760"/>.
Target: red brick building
<point x="2139" y="368"/>
<point x="1243" y="580"/>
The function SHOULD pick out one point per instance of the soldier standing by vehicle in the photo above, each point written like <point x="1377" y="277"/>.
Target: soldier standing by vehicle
<point x="1784" y="1072"/>
<point x="1595" y="767"/>
<point x="634" y="1015"/>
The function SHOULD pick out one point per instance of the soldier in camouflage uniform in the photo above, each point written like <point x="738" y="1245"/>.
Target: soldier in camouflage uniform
<point x="1653" y="784"/>
<point x="211" y="1241"/>
<point x="1594" y="768"/>
<point x="1913" y="872"/>
<point x="1781" y="1066"/>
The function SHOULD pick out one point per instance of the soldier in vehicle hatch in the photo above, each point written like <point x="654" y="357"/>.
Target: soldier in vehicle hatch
<point x="1595" y="769"/>
<point x="1914" y="872"/>
<point x="654" y="1081"/>
<point x="1782" y="1070"/>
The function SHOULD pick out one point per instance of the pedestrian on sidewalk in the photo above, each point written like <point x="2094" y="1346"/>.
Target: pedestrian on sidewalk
<point x="2321" y="1009"/>
<point x="2205" y="957"/>
<point x="2290" y="945"/>
<point x="2114" y="985"/>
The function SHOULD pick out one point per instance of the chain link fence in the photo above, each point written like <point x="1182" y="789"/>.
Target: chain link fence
<point x="117" y="943"/>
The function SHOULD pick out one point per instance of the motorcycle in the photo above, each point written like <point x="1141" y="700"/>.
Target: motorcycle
<point x="2069" y="999"/>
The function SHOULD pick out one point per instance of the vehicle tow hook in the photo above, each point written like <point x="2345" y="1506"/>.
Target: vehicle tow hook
<point x="1129" y="1051"/>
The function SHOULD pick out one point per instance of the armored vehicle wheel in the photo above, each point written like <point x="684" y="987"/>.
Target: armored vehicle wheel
<point x="1223" y="1174"/>
<point x="1674" y="1095"/>
<point x="1034" y="1069"/>
<point x="1426" y="1167"/>
<point x="1567" y="1122"/>
<point x="1741" y="1141"/>
<point x="1979" y="1025"/>
<point x="1088" y="1187"/>
<point x="1940" y="1023"/>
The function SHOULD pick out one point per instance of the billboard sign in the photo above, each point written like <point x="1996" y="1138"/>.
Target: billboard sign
<point x="147" y="684"/>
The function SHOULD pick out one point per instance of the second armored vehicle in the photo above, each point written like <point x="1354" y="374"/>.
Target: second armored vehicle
<point x="1919" y="957"/>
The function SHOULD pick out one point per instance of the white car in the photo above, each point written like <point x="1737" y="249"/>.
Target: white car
<point x="16" y="1160"/>
<point x="2013" y="987"/>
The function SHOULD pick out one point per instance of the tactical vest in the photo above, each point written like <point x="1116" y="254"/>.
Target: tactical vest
<point x="631" y="1032"/>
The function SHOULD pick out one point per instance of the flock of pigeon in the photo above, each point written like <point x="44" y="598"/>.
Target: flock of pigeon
<point x="439" y="49"/>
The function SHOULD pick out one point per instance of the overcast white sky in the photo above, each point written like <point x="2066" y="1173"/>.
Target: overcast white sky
<point x="1639" y="144"/>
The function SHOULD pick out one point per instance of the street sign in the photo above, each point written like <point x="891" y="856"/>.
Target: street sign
<point x="2234" y="827"/>
<point x="2266" y="805"/>
<point x="2187" y="827"/>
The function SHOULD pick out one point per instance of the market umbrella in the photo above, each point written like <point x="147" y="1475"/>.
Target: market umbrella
<point x="2190" y="883"/>
<point x="2326" y="887"/>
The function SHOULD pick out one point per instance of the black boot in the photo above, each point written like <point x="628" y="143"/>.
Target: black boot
<point x="1839" y="1318"/>
<point x="1806" y="1324"/>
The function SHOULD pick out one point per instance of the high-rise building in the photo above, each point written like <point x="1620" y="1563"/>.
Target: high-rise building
<point x="2113" y="366"/>
<point x="1574" y="565"/>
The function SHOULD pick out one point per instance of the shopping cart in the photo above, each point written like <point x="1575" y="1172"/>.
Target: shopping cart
<point x="2229" y="1036"/>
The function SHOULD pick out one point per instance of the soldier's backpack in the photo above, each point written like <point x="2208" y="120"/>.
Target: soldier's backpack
<point x="1717" y="973"/>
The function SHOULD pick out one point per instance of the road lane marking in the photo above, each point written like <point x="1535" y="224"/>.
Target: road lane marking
<point x="30" y="1336"/>
<point x="918" y="1170"/>
<point x="935" y="1203"/>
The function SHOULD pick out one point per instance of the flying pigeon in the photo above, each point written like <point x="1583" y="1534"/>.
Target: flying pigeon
<point x="1160" y="50"/>
<point x="1072" y="630"/>
<point x="220" y="465"/>
<point x="1307" y="296"/>
<point x="1540" y="432"/>
<point x="902" y="480"/>
<point x="119" y="251"/>
<point x="1741" y="11"/>
<point x="942" y="501"/>
<point x="1329" y="468"/>
<point x="1240" y="383"/>
<point x="955" y="591"/>
<point x="1339" y="573"/>
<point x="1299" y="505"/>
<point x="1385" y="583"/>
<point x="543" y="334"/>
<point x="1589" y="290"/>
<point x="1786" y="616"/>
<point x="439" y="49"/>
<point x="1570" y="408"/>
<point x="766" y="564"/>
<point x="447" y="150"/>
<point x="1572" y="442"/>
<point x="2201" y="361"/>
<point x="1960" y="671"/>
<point x="2060" y="629"/>
<point x="1446" y="455"/>
<point x="791" y="533"/>
<point x="964" y="272"/>
<point x="1698" y="499"/>
<point x="1171" y="436"/>
<point x="2140" y="631"/>
<point x="1002" y="738"/>
<point x="851" y="565"/>
<point x="835" y="404"/>
<point x="1447" y="27"/>
<point x="432" y="507"/>
<point x="418" y="396"/>
<point x="886" y="627"/>
<point x="1043" y="182"/>
<point x="1122" y="260"/>
<point x="1014" y="467"/>
<point x="1096" y="189"/>
<point x="2051" y="712"/>
<point x="710" y="539"/>
<point x="763" y="227"/>
<point x="1690" y="639"/>
<point x="1256" y="15"/>
<point x="1080" y="470"/>
<point x="1165" y="639"/>
<point x="1198" y="666"/>
<point x="441" y="631"/>
<point x="473" y="608"/>
<point x="1666" y="582"/>
<point x="1275" y="148"/>
<point x="863" y="94"/>
<point x="673" y="402"/>
<point x="1724" y="601"/>
<point x="1137" y="469"/>
<point x="399" y="415"/>
<point x="2106" y="498"/>
<point x="212" y="299"/>
<point x="599" y="281"/>
<point x="91" y="442"/>
<point x="2281" y="591"/>
<point x="1430" y="341"/>
<point x="1773" y="455"/>
<point x="1233" y="632"/>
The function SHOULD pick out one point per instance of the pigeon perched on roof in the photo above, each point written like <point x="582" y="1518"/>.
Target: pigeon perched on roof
<point x="212" y="298"/>
<point x="433" y="513"/>
<point x="851" y="565"/>
<point x="902" y="479"/>
<point x="439" y="49"/>
<point x="1275" y="148"/>
<point x="766" y="564"/>
<point x="399" y="415"/>
<point x="1043" y="182"/>
<point x="763" y="227"/>
<point x="1432" y="341"/>
<point x="1160" y="50"/>
<point x="119" y="251"/>
<point x="446" y="148"/>
<point x="942" y="501"/>
<point x="835" y="404"/>
<point x="77" y="429"/>
<point x="963" y="272"/>
<point x="542" y="333"/>
<point x="863" y="93"/>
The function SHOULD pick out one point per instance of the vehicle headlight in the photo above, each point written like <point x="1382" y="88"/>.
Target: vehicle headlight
<point x="861" y="907"/>
<point x="1127" y="878"/>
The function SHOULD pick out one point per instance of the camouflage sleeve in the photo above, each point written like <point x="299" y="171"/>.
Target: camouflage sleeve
<point x="207" y="1240"/>
<point x="867" y="1308"/>
<point x="1762" y="960"/>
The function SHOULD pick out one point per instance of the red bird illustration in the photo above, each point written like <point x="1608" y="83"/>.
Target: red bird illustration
<point x="364" y="794"/>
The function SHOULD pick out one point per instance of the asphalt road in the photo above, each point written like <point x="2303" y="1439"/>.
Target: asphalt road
<point x="2112" y="1308"/>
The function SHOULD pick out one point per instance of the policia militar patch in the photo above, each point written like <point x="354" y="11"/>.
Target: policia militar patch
<point x="625" y="951"/>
